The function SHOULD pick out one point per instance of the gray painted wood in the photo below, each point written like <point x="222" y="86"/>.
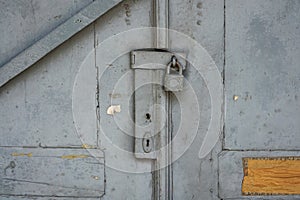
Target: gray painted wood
<point x="55" y="38"/>
<point x="262" y="40"/>
<point x="52" y="172"/>
<point x="121" y="184"/>
<point x="203" y="21"/>
<point x="231" y="173"/>
<point x="262" y="69"/>
<point x="45" y="198"/>
<point x="25" y="22"/>
<point x="36" y="107"/>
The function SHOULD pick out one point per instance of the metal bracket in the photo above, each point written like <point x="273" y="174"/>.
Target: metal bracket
<point x="150" y="99"/>
<point x="154" y="59"/>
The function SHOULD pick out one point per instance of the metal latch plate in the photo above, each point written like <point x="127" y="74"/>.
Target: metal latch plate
<point x="150" y="99"/>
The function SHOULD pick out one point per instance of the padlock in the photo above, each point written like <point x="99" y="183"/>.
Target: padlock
<point x="173" y="82"/>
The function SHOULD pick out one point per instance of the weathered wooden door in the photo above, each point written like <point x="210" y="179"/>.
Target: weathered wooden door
<point x="131" y="62"/>
<point x="90" y="117"/>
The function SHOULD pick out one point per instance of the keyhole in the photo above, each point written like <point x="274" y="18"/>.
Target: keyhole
<point x="148" y="116"/>
<point x="147" y="143"/>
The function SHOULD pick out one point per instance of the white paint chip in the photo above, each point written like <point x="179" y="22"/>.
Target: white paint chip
<point x="113" y="109"/>
<point x="235" y="97"/>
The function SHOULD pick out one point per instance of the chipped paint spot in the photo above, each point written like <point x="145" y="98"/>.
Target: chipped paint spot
<point x="78" y="21"/>
<point x="87" y="146"/>
<point x="247" y="97"/>
<point x="113" y="109"/>
<point x="70" y="157"/>
<point x="57" y="17"/>
<point x="199" y="5"/>
<point x="95" y="177"/>
<point x="115" y="95"/>
<point x="22" y="154"/>
<point x="235" y="97"/>
<point x="127" y="13"/>
<point x="11" y="165"/>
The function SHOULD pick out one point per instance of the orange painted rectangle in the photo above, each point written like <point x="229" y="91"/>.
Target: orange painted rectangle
<point x="271" y="176"/>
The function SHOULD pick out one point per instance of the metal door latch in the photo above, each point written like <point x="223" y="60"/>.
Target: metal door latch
<point x="155" y="72"/>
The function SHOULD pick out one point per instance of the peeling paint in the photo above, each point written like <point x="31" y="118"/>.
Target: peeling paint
<point x="115" y="95"/>
<point x="95" y="177"/>
<point x="22" y="154"/>
<point x="87" y="146"/>
<point x="74" y="156"/>
<point x="113" y="109"/>
<point x="235" y="97"/>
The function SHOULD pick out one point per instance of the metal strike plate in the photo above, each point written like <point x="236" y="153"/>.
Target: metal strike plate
<point x="151" y="59"/>
<point x="150" y="99"/>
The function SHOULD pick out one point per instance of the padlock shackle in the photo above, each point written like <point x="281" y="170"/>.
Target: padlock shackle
<point x="177" y="63"/>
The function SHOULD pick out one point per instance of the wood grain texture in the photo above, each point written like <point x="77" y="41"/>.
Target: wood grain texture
<point x="271" y="176"/>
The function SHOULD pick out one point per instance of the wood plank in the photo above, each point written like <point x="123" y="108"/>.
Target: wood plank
<point x="25" y="22"/>
<point x="262" y="75"/>
<point x="36" y="107"/>
<point x="55" y="38"/>
<point x="203" y="21"/>
<point x="129" y="14"/>
<point x="271" y="176"/>
<point x="51" y="172"/>
<point x="231" y="173"/>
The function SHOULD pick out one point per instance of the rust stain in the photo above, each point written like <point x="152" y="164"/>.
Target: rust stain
<point x="271" y="176"/>
<point x="22" y="154"/>
<point x="74" y="156"/>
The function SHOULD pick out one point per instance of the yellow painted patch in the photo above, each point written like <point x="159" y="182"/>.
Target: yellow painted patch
<point x="87" y="146"/>
<point x="22" y="154"/>
<point x="69" y="157"/>
<point x="271" y="176"/>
